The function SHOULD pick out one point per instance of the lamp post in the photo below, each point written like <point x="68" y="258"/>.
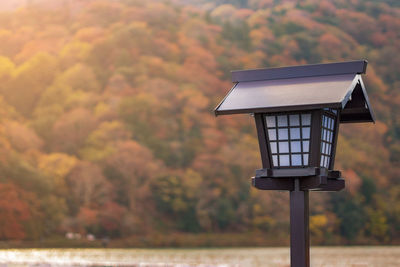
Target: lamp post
<point x="297" y="112"/>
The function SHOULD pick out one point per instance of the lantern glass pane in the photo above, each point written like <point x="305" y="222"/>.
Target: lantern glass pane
<point x="275" y="160"/>
<point x="274" y="149"/>
<point x="296" y="160"/>
<point x="306" y="146"/>
<point x="305" y="159"/>
<point x="294" y="120"/>
<point x="283" y="147"/>
<point x="272" y="134"/>
<point x="283" y="134"/>
<point x="294" y="133"/>
<point x="306" y="119"/>
<point x="270" y="121"/>
<point x="284" y="160"/>
<point x="306" y="132"/>
<point x="282" y="121"/>
<point x="295" y="146"/>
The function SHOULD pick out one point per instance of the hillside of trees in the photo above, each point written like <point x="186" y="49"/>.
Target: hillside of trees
<point x="107" y="125"/>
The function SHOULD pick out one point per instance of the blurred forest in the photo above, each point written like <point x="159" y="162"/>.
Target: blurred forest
<point x="107" y="125"/>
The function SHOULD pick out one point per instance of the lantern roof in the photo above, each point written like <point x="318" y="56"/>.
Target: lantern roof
<point x="333" y="85"/>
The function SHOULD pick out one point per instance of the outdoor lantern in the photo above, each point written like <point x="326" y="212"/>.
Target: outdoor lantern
<point x="298" y="111"/>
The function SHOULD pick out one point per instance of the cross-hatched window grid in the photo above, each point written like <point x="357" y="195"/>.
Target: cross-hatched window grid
<point x="289" y="139"/>
<point x="327" y="137"/>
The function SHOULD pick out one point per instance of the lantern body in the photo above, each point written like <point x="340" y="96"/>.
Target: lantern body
<point x="297" y="111"/>
<point x="299" y="139"/>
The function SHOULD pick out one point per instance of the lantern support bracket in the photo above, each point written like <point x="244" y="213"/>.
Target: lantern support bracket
<point x="296" y="172"/>
<point x="315" y="179"/>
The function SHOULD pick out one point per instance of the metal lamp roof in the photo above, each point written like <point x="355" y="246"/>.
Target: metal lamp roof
<point x="333" y="85"/>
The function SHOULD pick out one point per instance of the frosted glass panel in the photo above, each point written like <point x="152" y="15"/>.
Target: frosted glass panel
<point x="306" y="132"/>
<point x="327" y="137"/>
<point x="306" y="119"/>
<point x="294" y="120"/>
<point x="271" y="121"/>
<point x="274" y="147"/>
<point x="306" y="146"/>
<point x="305" y="159"/>
<point x="283" y="134"/>
<point x="289" y="139"/>
<point x="283" y="147"/>
<point x="326" y="162"/>
<point x="295" y="146"/>
<point x="284" y="160"/>
<point x="272" y="134"/>
<point x="294" y="133"/>
<point x="282" y="121"/>
<point x="275" y="160"/>
<point x="296" y="160"/>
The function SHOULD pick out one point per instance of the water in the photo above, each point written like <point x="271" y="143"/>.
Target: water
<point x="231" y="257"/>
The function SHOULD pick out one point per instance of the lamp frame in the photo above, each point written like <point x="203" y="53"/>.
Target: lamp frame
<point x="315" y="139"/>
<point x="316" y="89"/>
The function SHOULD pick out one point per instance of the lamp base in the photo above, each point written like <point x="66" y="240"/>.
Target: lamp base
<point x="315" y="179"/>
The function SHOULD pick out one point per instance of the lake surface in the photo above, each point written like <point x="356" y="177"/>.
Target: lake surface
<point x="230" y="257"/>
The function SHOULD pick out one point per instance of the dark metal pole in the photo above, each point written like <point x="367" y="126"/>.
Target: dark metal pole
<point x="299" y="227"/>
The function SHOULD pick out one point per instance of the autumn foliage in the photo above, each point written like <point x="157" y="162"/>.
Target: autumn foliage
<point x="106" y="123"/>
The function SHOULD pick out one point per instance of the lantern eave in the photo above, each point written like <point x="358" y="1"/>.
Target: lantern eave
<point x="299" y="88"/>
<point x="356" y="106"/>
<point x="278" y="109"/>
